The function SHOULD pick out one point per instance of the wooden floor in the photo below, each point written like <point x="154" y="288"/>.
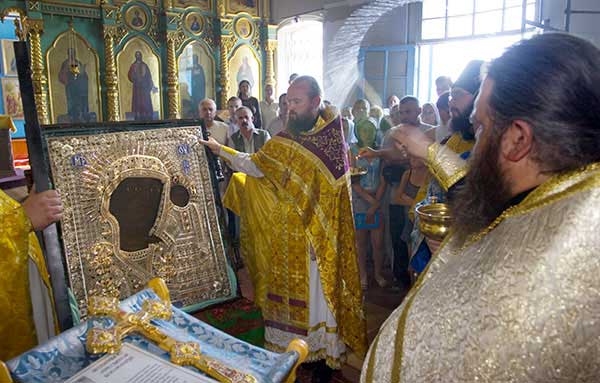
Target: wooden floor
<point x="379" y="304"/>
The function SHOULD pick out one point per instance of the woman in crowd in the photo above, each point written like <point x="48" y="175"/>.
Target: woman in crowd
<point x="366" y="200"/>
<point x="268" y="107"/>
<point x="430" y="115"/>
<point x="401" y="201"/>
<point x="244" y="93"/>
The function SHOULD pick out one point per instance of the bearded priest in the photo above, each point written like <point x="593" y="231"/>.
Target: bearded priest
<point x="513" y="294"/>
<point x="297" y="231"/>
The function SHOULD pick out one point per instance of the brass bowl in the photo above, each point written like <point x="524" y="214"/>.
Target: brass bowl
<point x="434" y="220"/>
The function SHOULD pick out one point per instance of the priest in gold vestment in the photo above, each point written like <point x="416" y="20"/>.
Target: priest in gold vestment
<point x="297" y="231"/>
<point x="512" y="294"/>
<point x="21" y="264"/>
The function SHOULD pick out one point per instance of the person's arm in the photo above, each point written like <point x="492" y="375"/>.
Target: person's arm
<point x="364" y="194"/>
<point x="444" y="164"/>
<point x="378" y="195"/>
<point x="390" y="155"/>
<point x="238" y="161"/>
<point x="406" y="200"/>
<point x="382" y="184"/>
<point x="43" y="208"/>
<point x="402" y="199"/>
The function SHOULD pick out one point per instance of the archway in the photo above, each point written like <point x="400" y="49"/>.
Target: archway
<point x="342" y="53"/>
<point x="300" y="50"/>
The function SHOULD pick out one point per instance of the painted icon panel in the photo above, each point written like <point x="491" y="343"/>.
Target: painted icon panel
<point x="11" y="97"/>
<point x="138" y="69"/>
<point x="244" y="65"/>
<point x="73" y="80"/>
<point x="196" y="78"/>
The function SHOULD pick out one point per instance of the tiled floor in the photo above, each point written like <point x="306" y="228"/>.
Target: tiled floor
<point x="379" y="303"/>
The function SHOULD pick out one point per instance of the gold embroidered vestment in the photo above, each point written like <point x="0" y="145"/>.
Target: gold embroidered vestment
<point x="302" y="202"/>
<point x="18" y="244"/>
<point x="519" y="302"/>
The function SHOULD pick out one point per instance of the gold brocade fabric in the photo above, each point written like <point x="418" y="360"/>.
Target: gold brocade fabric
<point x="457" y="144"/>
<point x="445" y="166"/>
<point x="442" y="162"/>
<point x="300" y="204"/>
<point x="518" y="302"/>
<point x="254" y="205"/>
<point x="17" y="244"/>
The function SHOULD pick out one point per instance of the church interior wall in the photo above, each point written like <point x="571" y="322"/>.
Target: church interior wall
<point x="401" y="26"/>
<point x="584" y="25"/>
<point x="398" y="26"/>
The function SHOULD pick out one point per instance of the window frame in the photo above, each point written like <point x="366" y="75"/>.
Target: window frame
<point x="387" y="49"/>
<point x="524" y="28"/>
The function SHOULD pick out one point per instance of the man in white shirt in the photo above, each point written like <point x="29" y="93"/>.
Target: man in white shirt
<point x="268" y="107"/>
<point x="279" y="123"/>
<point x="218" y="130"/>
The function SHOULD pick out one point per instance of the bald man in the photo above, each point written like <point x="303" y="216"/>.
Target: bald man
<point x="207" y="109"/>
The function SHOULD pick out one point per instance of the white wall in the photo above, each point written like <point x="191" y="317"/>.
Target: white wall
<point x="583" y="25"/>
<point x="400" y="26"/>
<point x="344" y="31"/>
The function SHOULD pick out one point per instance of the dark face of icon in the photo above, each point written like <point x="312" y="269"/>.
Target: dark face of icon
<point x="134" y="204"/>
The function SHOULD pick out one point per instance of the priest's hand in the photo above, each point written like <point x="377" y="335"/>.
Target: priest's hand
<point x="411" y="139"/>
<point x="368" y="153"/>
<point x="43" y="208"/>
<point x="212" y="144"/>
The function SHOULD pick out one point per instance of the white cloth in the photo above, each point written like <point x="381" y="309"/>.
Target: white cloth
<point x="441" y="131"/>
<point x="268" y="112"/>
<point x="275" y="126"/>
<point x="242" y="162"/>
<point x="219" y="131"/>
<point x="323" y="339"/>
<point x="43" y="316"/>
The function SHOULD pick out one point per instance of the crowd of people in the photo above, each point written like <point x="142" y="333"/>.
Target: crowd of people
<point x="485" y="303"/>
<point x="384" y="198"/>
<point x="512" y="146"/>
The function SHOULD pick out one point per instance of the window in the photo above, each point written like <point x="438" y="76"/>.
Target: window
<point x="443" y="19"/>
<point x="455" y="32"/>
<point x="299" y="50"/>
<point x="386" y="71"/>
<point x="449" y="58"/>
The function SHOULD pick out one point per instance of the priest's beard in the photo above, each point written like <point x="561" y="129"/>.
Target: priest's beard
<point x="460" y="122"/>
<point x="299" y="123"/>
<point x="485" y="193"/>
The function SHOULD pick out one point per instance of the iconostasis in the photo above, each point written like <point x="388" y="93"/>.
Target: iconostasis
<point x="113" y="60"/>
